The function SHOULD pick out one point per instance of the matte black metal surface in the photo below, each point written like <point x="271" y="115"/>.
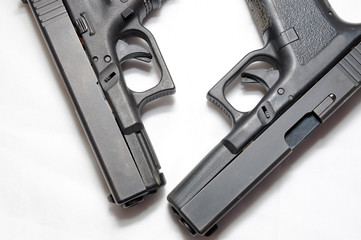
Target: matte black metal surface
<point x="108" y="110"/>
<point x="311" y="75"/>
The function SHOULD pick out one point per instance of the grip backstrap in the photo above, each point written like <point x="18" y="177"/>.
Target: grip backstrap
<point x="308" y="18"/>
<point x="260" y="15"/>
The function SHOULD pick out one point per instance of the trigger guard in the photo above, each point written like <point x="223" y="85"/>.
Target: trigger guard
<point x="160" y="90"/>
<point x="222" y="103"/>
<point x="217" y="94"/>
<point x="165" y="85"/>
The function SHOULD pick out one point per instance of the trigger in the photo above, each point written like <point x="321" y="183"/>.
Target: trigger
<point x="267" y="78"/>
<point x="126" y="52"/>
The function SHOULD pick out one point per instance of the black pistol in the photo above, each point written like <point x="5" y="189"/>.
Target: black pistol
<point x="310" y="65"/>
<point x="87" y="40"/>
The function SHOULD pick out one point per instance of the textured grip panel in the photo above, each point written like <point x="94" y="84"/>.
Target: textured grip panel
<point x="313" y="30"/>
<point x="260" y="15"/>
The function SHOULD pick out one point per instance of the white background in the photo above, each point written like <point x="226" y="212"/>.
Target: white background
<point x="52" y="188"/>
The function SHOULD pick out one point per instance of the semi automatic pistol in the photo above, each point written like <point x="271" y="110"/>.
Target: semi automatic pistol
<point x="315" y="66"/>
<point x="87" y="40"/>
